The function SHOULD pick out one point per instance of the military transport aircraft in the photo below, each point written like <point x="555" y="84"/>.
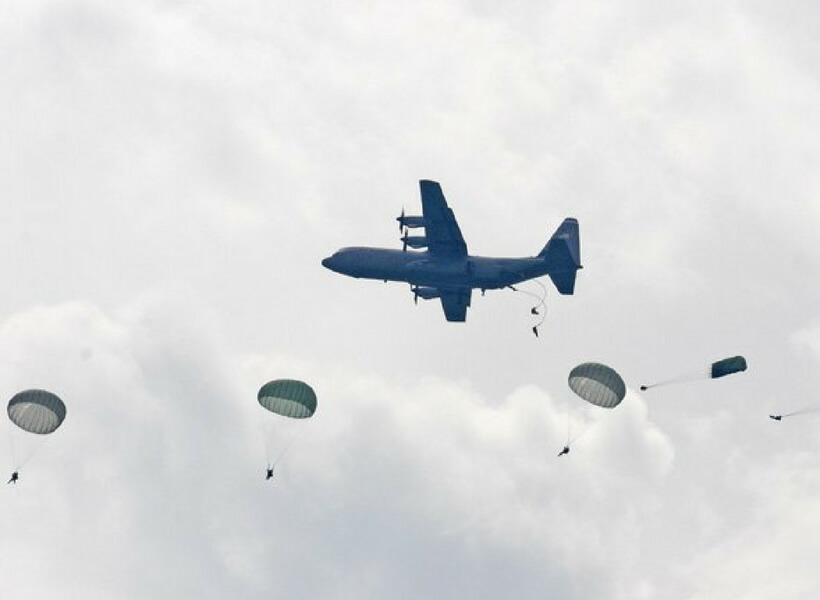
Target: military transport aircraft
<point x="445" y="270"/>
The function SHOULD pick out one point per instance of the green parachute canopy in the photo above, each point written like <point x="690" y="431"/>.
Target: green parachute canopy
<point x="289" y="398"/>
<point x="598" y="384"/>
<point x="36" y="411"/>
<point x="727" y="366"/>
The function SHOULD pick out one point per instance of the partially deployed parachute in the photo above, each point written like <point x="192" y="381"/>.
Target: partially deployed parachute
<point x="727" y="366"/>
<point x="36" y="411"/>
<point x="289" y="398"/>
<point x="721" y="368"/>
<point x="598" y="384"/>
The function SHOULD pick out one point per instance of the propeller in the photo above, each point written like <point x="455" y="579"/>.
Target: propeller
<point x="404" y="240"/>
<point x="415" y="291"/>
<point x="401" y="219"/>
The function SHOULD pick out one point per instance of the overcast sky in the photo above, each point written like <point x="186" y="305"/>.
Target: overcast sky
<point x="172" y="174"/>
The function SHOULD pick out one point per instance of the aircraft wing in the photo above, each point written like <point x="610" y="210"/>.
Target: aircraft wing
<point x="455" y="303"/>
<point x="440" y="227"/>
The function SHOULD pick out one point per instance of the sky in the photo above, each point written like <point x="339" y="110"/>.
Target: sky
<point x="172" y="174"/>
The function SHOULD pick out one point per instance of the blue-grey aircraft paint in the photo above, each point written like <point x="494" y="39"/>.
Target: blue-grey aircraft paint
<point x="446" y="270"/>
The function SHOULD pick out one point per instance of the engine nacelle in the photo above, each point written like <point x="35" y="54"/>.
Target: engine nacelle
<point x="428" y="293"/>
<point x="415" y="241"/>
<point x="410" y="221"/>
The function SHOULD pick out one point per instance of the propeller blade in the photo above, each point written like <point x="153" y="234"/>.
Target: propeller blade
<point x="401" y="220"/>
<point x="404" y="240"/>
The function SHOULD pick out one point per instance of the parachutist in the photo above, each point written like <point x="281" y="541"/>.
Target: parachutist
<point x="644" y="388"/>
<point x="776" y="417"/>
<point x="565" y="450"/>
<point x="14" y="477"/>
<point x="269" y="473"/>
<point x="535" y="330"/>
<point x="534" y="310"/>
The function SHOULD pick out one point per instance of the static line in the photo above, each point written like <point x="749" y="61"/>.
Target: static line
<point x="812" y="408"/>
<point x="692" y="376"/>
<point x="540" y="299"/>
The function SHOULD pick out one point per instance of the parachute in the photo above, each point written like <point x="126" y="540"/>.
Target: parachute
<point x="288" y="398"/>
<point x="36" y="411"/>
<point x="598" y="384"/>
<point x="721" y="368"/>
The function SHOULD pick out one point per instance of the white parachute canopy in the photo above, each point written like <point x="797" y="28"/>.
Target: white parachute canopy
<point x="598" y="384"/>
<point x="36" y="411"/>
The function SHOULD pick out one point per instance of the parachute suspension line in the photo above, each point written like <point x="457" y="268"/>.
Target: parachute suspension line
<point x="692" y="376"/>
<point x="35" y="448"/>
<point x="293" y="439"/>
<point x="15" y="462"/>
<point x="263" y="431"/>
<point x="587" y="426"/>
<point x="568" y="422"/>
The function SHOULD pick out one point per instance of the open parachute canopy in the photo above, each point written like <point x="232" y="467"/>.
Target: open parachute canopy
<point x="289" y="398"/>
<point x="36" y="411"/>
<point x="598" y="384"/>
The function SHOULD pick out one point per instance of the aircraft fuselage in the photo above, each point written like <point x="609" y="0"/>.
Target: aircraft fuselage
<point x="423" y="269"/>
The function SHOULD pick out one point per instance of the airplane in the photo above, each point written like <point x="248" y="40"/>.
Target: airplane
<point x="445" y="270"/>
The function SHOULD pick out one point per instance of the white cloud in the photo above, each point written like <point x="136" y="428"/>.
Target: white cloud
<point x="155" y="478"/>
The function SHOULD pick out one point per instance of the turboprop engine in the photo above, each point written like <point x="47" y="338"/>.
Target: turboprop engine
<point x="414" y="241"/>
<point x="409" y="221"/>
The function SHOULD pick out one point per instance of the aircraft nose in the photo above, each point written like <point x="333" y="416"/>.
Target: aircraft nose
<point x="328" y="263"/>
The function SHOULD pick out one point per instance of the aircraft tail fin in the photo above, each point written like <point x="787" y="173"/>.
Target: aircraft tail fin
<point x="563" y="256"/>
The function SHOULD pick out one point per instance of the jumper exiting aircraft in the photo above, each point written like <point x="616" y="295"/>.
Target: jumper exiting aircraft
<point x="445" y="270"/>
